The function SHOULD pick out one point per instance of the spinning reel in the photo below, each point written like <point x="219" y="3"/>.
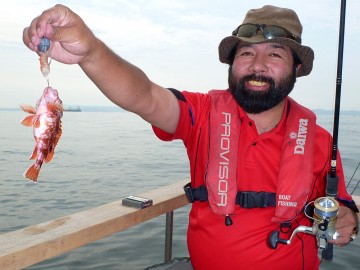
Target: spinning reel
<point x="325" y="216"/>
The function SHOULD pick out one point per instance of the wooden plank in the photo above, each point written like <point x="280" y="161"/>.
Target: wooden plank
<point x="28" y="246"/>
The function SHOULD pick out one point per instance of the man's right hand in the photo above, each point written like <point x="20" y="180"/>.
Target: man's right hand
<point x="71" y="40"/>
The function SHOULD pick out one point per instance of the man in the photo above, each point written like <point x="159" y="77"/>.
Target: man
<point x="256" y="156"/>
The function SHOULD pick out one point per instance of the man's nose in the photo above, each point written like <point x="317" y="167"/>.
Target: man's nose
<point x="258" y="64"/>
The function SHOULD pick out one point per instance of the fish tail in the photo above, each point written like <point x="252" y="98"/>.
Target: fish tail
<point x="33" y="172"/>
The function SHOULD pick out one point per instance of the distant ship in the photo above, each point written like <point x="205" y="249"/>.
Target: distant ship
<point x="72" y="109"/>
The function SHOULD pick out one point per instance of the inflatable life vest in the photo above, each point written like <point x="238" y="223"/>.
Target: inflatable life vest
<point x="296" y="167"/>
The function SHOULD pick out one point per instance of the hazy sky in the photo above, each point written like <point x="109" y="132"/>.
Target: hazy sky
<point x="176" y="43"/>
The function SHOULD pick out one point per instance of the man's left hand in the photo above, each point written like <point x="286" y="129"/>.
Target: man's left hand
<point x="347" y="220"/>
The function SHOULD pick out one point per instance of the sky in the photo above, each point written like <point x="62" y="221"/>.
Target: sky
<point x="176" y="44"/>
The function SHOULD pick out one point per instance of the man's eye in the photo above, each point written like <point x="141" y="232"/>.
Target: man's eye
<point x="276" y="55"/>
<point x="246" y="54"/>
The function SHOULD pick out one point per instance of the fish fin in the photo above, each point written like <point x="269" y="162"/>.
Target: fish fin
<point x="28" y="120"/>
<point x="55" y="106"/>
<point x="36" y="121"/>
<point x="34" y="154"/>
<point x="33" y="172"/>
<point x="58" y="135"/>
<point x="27" y="108"/>
<point x="49" y="156"/>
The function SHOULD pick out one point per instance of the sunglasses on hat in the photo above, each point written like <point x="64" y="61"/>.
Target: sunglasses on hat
<point x="249" y="30"/>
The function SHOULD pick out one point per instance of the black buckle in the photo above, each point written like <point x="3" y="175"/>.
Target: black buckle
<point x="250" y="199"/>
<point x="285" y="227"/>
<point x="188" y="192"/>
<point x="196" y="194"/>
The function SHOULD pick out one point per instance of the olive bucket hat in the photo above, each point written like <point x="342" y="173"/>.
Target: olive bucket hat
<point x="269" y="24"/>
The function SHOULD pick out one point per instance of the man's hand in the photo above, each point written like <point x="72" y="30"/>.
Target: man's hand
<point x="346" y="222"/>
<point x="71" y="40"/>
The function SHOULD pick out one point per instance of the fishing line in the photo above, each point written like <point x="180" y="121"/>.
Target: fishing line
<point x="352" y="192"/>
<point x="351" y="178"/>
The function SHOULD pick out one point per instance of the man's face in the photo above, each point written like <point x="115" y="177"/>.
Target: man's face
<point x="262" y="75"/>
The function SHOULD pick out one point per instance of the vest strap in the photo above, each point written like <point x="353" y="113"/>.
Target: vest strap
<point x="246" y="199"/>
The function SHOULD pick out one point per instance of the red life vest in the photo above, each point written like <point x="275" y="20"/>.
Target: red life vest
<point x="296" y="167"/>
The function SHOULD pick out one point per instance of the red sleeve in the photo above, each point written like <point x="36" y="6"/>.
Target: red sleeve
<point x="183" y="128"/>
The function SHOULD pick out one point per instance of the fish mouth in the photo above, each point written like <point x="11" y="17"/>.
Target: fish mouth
<point x="50" y="93"/>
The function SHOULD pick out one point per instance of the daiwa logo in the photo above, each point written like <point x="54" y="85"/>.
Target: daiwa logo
<point x="301" y="137"/>
<point x="223" y="183"/>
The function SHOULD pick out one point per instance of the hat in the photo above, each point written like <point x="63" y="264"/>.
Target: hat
<point x="271" y="15"/>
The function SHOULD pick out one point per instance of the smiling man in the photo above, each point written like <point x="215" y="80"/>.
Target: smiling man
<point x="256" y="156"/>
<point x="254" y="71"/>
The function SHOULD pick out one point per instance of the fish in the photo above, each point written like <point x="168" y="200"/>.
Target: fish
<point x="45" y="119"/>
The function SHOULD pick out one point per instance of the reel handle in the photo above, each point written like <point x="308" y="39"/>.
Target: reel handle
<point x="274" y="240"/>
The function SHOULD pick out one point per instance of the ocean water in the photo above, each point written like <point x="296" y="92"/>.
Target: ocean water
<point x="103" y="157"/>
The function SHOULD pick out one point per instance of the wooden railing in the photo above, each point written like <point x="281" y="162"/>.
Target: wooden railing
<point x="31" y="245"/>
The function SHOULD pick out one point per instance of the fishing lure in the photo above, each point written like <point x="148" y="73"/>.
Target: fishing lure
<point x="43" y="47"/>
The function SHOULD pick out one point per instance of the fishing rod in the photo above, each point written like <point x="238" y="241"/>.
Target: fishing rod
<point x="332" y="178"/>
<point x="325" y="208"/>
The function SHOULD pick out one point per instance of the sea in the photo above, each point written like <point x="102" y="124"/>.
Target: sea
<point x="106" y="155"/>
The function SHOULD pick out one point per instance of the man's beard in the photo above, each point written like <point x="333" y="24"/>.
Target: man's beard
<point x="259" y="101"/>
